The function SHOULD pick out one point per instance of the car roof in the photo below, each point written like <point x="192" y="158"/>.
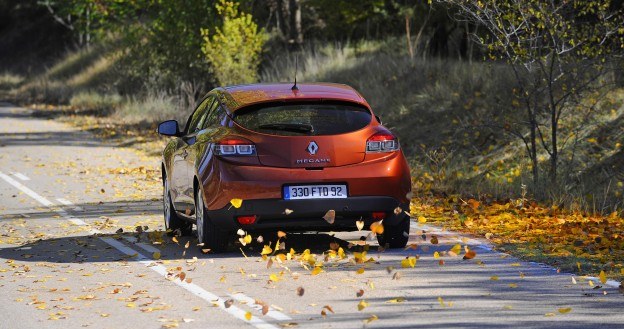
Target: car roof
<point x="236" y="97"/>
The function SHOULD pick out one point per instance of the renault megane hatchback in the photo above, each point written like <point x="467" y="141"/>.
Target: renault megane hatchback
<point x="311" y="157"/>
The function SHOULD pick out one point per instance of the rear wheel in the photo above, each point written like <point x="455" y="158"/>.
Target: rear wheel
<point x="395" y="236"/>
<point x="173" y="223"/>
<point x="207" y="233"/>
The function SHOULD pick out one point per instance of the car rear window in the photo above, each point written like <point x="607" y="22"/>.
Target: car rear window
<point x="296" y="119"/>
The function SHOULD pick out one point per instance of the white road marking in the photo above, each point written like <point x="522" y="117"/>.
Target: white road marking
<point x="190" y="287"/>
<point x="69" y="204"/>
<point x="26" y="190"/>
<point x="273" y="313"/>
<point x="21" y="176"/>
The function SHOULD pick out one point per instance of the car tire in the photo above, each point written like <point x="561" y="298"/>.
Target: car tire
<point x="395" y="236"/>
<point x="208" y="235"/>
<point x="173" y="222"/>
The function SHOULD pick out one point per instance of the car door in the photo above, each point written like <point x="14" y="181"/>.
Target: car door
<point x="183" y="188"/>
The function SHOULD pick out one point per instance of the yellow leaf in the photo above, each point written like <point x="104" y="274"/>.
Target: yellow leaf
<point x="274" y="277"/>
<point x="456" y="249"/>
<point x="266" y="250"/>
<point x="371" y="319"/>
<point x="603" y="277"/>
<point x="316" y="270"/>
<point x="248" y="316"/>
<point x="422" y="219"/>
<point x="396" y="300"/>
<point x="237" y="203"/>
<point x="436" y="255"/>
<point x="360" y="270"/>
<point x="549" y="314"/>
<point x="565" y="310"/>
<point x="130" y="305"/>
<point x="156" y="255"/>
<point x="281" y="234"/>
<point x="247" y="239"/>
<point x="494" y="278"/>
<point x="513" y="285"/>
<point x="362" y="305"/>
<point x="408" y="262"/>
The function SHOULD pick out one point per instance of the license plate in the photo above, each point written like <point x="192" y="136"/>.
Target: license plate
<point x="334" y="191"/>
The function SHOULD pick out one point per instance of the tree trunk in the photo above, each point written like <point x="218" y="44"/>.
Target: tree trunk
<point x="553" y="137"/>
<point x="296" y="32"/>
<point x="533" y="154"/>
<point x="408" y="35"/>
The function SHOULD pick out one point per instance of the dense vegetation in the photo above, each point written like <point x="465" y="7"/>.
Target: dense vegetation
<point x="489" y="98"/>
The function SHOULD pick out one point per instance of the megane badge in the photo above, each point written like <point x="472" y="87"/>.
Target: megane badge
<point x="312" y="148"/>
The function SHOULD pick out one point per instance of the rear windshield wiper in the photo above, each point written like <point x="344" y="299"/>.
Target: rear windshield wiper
<point x="294" y="127"/>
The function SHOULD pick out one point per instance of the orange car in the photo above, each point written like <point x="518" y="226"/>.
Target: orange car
<point x="291" y="154"/>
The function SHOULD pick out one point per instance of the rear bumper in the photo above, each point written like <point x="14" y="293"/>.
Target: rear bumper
<point x="307" y="215"/>
<point x="376" y="179"/>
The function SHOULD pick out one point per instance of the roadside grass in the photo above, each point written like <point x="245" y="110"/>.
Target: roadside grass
<point x="571" y="241"/>
<point x="10" y="81"/>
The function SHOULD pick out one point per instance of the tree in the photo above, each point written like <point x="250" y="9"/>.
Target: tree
<point x="234" y="48"/>
<point x="558" y="50"/>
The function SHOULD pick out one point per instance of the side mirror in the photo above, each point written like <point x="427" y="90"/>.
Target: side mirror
<point x="378" y="119"/>
<point x="169" y="128"/>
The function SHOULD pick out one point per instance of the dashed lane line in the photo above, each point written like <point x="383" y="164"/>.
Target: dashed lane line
<point x="21" y="176"/>
<point x="190" y="287"/>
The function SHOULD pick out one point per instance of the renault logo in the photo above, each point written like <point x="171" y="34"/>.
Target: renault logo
<point x="312" y="148"/>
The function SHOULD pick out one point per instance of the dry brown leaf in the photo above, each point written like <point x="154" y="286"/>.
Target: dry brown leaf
<point x="359" y="293"/>
<point x="300" y="291"/>
<point x="330" y="216"/>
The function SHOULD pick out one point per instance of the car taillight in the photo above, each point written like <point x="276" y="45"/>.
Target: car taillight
<point x="382" y="142"/>
<point x="246" y="220"/>
<point x="378" y="215"/>
<point x="234" y="146"/>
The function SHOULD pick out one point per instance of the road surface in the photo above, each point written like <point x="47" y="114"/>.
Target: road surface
<point x="70" y="206"/>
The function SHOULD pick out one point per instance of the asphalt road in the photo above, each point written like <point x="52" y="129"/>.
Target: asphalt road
<point x="70" y="258"/>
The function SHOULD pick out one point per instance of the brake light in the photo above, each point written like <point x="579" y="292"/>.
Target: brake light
<point x="382" y="142"/>
<point x="246" y="220"/>
<point x="234" y="146"/>
<point x="379" y="215"/>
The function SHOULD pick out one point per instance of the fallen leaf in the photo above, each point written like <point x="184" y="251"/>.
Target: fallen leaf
<point x="330" y="216"/>
<point x="408" y="262"/>
<point x="281" y="234"/>
<point x="434" y="239"/>
<point x="360" y="270"/>
<point x="240" y="232"/>
<point x="422" y="219"/>
<point x="156" y="255"/>
<point x="603" y="277"/>
<point x="456" y="249"/>
<point x="377" y="227"/>
<point x="228" y="303"/>
<point x="288" y="211"/>
<point x="565" y="310"/>
<point x="237" y="203"/>
<point x="300" y="291"/>
<point x="396" y="300"/>
<point x="397" y="275"/>
<point x="359" y="293"/>
<point x="329" y="308"/>
<point x="494" y="278"/>
<point x="371" y="319"/>
<point x="266" y="250"/>
<point x="398" y="210"/>
<point x="362" y="305"/>
<point x="470" y="254"/>
<point x="316" y="270"/>
<point x="359" y="224"/>
<point x="248" y="314"/>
